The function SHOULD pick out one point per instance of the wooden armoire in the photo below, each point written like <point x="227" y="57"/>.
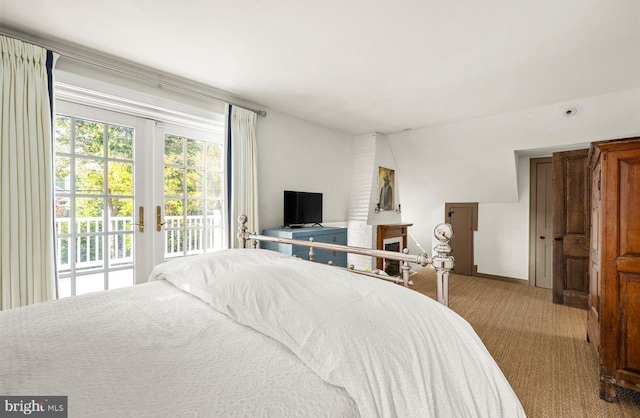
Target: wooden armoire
<point x="613" y="324"/>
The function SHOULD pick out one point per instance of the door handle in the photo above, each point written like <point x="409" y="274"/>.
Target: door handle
<point x="557" y="238"/>
<point x="141" y="218"/>
<point x="159" y="222"/>
<point x="541" y="237"/>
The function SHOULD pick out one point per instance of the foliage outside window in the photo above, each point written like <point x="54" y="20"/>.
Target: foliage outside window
<point x="94" y="201"/>
<point x="193" y="178"/>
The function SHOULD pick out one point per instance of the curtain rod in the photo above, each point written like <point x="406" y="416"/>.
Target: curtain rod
<point x="107" y="63"/>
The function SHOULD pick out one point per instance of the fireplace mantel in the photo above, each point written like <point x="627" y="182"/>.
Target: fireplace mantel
<point x="390" y="231"/>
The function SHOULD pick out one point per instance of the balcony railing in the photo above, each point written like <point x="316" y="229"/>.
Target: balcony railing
<point x="188" y="235"/>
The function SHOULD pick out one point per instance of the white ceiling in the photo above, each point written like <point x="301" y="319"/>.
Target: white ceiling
<point x="361" y="66"/>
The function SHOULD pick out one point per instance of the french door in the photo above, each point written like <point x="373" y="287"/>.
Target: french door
<point x="192" y="194"/>
<point x="131" y="192"/>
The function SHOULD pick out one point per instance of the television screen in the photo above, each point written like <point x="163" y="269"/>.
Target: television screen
<point x="302" y="208"/>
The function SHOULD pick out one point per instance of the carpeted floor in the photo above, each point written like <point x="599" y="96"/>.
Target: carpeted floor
<point x="541" y="347"/>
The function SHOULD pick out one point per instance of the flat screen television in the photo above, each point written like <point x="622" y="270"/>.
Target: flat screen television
<point x="302" y="208"/>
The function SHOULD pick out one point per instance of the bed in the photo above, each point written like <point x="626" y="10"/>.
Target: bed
<point x="252" y="332"/>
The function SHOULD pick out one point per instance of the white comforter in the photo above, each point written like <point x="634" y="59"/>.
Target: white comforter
<point x="396" y="352"/>
<point x="152" y="350"/>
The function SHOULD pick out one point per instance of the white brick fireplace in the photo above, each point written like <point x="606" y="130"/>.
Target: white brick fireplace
<point x="371" y="151"/>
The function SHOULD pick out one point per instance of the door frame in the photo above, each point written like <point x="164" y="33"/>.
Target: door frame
<point x="533" y="204"/>
<point x="157" y="197"/>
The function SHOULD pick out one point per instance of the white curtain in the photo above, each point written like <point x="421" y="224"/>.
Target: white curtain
<point x="241" y="166"/>
<point x="27" y="258"/>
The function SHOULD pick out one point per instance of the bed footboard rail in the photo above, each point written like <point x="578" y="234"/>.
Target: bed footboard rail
<point x="443" y="262"/>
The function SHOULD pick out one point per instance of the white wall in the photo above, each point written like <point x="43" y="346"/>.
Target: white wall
<point x="476" y="161"/>
<point x="296" y="155"/>
<point x="502" y="240"/>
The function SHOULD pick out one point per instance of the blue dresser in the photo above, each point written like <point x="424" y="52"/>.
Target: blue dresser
<point x="328" y="234"/>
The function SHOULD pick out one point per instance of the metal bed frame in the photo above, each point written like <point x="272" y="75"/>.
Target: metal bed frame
<point x="443" y="262"/>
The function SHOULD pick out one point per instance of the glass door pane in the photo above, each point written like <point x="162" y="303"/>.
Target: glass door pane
<point x="193" y="195"/>
<point x="94" y="199"/>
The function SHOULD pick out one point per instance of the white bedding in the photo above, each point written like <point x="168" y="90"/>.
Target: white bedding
<point x="393" y="350"/>
<point x="155" y="351"/>
<point x="265" y="335"/>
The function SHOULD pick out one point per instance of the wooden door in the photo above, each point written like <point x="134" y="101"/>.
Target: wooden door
<point x="541" y="222"/>
<point x="571" y="228"/>
<point x="463" y="217"/>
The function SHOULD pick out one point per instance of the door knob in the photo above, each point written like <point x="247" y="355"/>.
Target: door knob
<point x="541" y="237"/>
